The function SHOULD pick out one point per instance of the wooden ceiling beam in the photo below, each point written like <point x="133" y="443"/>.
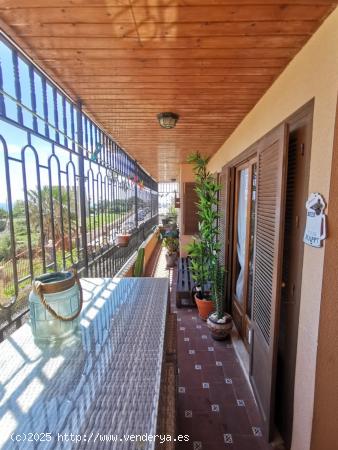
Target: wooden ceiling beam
<point x="209" y="61"/>
<point x="163" y="14"/>
<point x="136" y="79"/>
<point x="10" y="4"/>
<point x="137" y="63"/>
<point x="197" y="29"/>
<point x="154" y="43"/>
<point x="143" y="53"/>
<point x="170" y="73"/>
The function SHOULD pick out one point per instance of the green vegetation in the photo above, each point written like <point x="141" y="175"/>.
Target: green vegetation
<point x="62" y="216"/>
<point x="204" y="252"/>
<point x="107" y="219"/>
<point x="171" y="244"/>
<point x="5" y="246"/>
<point x="139" y="263"/>
<point x="3" y="219"/>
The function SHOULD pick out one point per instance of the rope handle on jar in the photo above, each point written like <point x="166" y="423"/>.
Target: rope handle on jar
<point x="38" y="286"/>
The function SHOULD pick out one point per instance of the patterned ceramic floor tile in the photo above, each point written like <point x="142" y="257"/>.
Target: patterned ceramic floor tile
<point x="228" y="438"/>
<point x="257" y="431"/>
<point x="215" y="404"/>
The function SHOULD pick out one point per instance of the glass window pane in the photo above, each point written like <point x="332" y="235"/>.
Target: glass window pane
<point x="241" y="231"/>
<point x="26" y="98"/>
<point x="252" y="238"/>
<point x="6" y="59"/>
<point x="39" y="101"/>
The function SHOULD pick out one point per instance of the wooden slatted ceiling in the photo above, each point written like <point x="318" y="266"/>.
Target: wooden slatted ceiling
<point x="207" y="60"/>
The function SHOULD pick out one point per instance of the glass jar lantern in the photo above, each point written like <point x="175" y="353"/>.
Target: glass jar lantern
<point x="55" y="304"/>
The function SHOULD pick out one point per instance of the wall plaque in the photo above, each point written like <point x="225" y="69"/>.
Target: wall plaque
<point x="315" y="229"/>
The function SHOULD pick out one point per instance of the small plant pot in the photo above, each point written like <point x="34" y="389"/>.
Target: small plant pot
<point x="122" y="240"/>
<point x="171" y="259"/>
<point x="205" y="307"/>
<point x="220" y="329"/>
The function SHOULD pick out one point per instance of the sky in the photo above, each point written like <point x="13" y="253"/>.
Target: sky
<point x="16" y="138"/>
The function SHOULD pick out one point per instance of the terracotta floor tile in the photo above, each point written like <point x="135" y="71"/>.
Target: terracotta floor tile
<point x="195" y="399"/>
<point x="206" y="415"/>
<point x="253" y="413"/>
<point x="242" y="442"/>
<point x="235" y="420"/>
<point x="208" y="359"/>
<point x="223" y="393"/>
<point x="233" y="369"/>
<point x="193" y="381"/>
<point x="213" y="373"/>
<point x="242" y="389"/>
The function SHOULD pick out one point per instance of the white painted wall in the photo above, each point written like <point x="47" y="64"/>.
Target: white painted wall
<point x="313" y="73"/>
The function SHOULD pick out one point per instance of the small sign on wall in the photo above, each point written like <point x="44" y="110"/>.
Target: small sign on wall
<point x="315" y="229"/>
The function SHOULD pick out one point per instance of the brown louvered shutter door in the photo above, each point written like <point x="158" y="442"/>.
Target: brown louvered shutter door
<point x="271" y="181"/>
<point x="221" y="220"/>
<point x="190" y="216"/>
<point x="225" y="226"/>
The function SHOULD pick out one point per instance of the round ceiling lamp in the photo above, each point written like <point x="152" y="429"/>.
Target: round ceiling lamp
<point x="167" y="119"/>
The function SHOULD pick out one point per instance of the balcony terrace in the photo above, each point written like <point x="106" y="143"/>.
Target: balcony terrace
<point x="93" y="185"/>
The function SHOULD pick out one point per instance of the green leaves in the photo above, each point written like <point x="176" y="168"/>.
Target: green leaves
<point x="171" y="244"/>
<point x="205" y="252"/>
<point x="196" y="251"/>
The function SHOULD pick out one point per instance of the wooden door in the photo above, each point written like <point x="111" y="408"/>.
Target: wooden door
<point x="270" y="208"/>
<point x="225" y="223"/>
<point x="190" y="213"/>
<point x="243" y="245"/>
<point x="296" y="195"/>
<point x="225" y="214"/>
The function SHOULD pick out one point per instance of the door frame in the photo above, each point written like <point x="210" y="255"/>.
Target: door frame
<point x="325" y="417"/>
<point x="292" y="122"/>
<point x="240" y="311"/>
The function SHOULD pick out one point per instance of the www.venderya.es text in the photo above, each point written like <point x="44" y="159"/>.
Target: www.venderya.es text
<point x="97" y="437"/>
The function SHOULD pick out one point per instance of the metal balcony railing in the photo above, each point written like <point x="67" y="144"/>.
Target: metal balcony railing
<point x="66" y="187"/>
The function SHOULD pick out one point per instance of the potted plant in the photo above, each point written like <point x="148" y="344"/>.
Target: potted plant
<point x="205" y="253"/>
<point x="171" y="244"/>
<point x="199" y="271"/>
<point x="165" y="220"/>
<point x="219" y="322"/>
<point x="122" y="239"/>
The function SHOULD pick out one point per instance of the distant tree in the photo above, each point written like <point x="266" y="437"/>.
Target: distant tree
<point x="5" y="247"/>
<point x="19" y="209"/>
<point x="60" y="206"/>
<point x="3" y="214"/>
<point x="3" y="219"/>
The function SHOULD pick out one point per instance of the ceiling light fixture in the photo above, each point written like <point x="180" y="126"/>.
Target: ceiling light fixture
<point x="167" y="119"/>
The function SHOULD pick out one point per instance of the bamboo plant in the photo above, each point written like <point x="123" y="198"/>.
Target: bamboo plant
<point x="218" y="291"/>
<point x="205" y="251"/>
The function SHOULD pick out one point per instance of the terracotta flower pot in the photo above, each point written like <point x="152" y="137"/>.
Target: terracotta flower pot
<point x="220" y="330"/>
<point x="205" y="307"/>
<point x="122" y="240"/>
